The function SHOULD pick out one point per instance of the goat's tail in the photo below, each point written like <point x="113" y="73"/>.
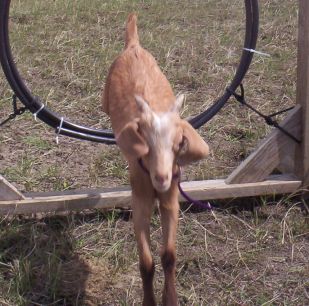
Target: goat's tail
<point x="131" y="37"/>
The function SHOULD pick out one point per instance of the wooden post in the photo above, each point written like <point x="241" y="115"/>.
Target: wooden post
<point x="8" y="191"/>
<point x="302" y="97"/>
<point x="271" y="152"/>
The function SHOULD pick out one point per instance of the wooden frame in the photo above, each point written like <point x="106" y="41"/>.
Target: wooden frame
<point x="252" y="177"/>
<point x="96" y="199"/>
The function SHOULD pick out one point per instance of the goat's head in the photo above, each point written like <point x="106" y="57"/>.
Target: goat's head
<point x="161" y="140"/>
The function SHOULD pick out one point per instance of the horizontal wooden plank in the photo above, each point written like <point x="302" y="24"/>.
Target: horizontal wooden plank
<point x="218" y="189"/>
<point x="200" y="190"/>
<point x="91" y="200"/>
<point x="75" y="192"/>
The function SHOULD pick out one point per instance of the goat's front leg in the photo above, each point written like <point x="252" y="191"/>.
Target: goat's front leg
<point x="169" y="208"/>
<point x="142" y="210"/>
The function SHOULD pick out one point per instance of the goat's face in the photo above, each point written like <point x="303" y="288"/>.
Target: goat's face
<point x="163" y="137"/>
<point x="161" y="140"/>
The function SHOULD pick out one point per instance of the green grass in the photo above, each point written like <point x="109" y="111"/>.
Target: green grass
<point x="254" y="254"/>
<point x="37" y="143"/>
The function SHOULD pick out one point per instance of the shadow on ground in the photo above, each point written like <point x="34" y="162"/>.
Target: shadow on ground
<point x="38" y="264"/>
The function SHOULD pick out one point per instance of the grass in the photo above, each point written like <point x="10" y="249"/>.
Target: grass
<point x="255" y="253"/>
<point x="224" y="258"/>
<point x="72" y="46"/>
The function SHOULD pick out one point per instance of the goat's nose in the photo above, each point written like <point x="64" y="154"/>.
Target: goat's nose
<point x="161" y="178"/>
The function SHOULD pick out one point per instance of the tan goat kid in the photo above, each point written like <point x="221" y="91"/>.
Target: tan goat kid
<point x="145" y="118"/>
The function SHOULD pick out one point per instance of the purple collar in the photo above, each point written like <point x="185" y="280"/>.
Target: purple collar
<point x="177" y="175"/>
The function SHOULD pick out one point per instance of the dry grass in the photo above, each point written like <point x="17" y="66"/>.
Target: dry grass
<point x="256" y="256"/>
<point x="64" y="48"/>
<point x="253" y="255"/>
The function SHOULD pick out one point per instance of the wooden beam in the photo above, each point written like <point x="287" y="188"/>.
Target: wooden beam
<point x="273" y="150"/>
<point x="200" y="190"/>
<point x="302" y="97"/>
<point x="8" y="191"/>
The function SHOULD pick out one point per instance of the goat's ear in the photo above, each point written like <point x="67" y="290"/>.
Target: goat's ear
<point x="193" y="147"/>
<point x="142" y="105"/>
<point x="131" y="142"/>
<point x="178" y="103"/>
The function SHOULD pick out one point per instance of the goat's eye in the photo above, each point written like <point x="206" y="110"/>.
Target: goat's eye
<point x="183" y="145"/>
<point x="179" y="145"/>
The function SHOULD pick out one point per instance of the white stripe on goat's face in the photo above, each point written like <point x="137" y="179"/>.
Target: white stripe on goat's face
<point x="161" y="132"/>
<point x="160" y="137"/>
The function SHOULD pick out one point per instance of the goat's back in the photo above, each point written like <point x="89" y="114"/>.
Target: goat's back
<point x="134" y="72"/>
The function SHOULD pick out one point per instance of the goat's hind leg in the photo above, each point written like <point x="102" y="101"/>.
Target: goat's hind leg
<point x="142" y="210"/>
